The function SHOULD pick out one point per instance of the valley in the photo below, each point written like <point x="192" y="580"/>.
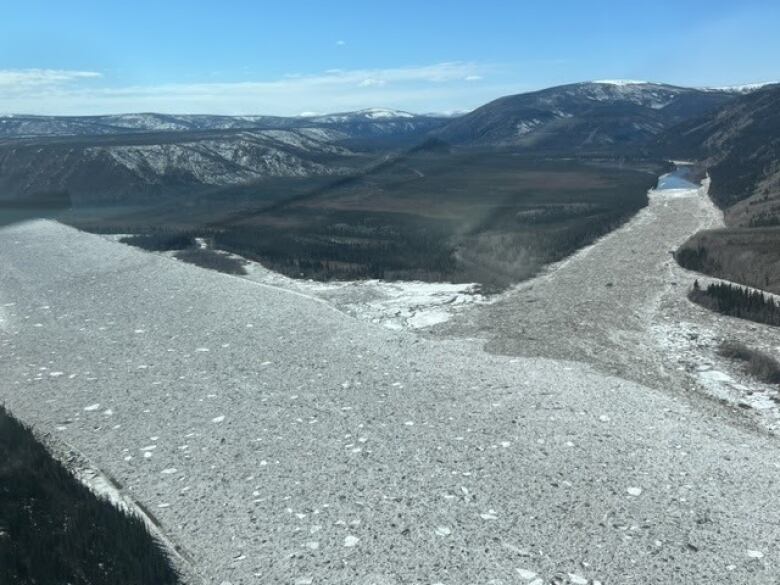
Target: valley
<point x="276" y="437"/>
<point x="491" y="217"/>
<point x="388" y="348"/>
<point x="621" y="305"/>
<point x="624" y="290"/>
<point x="739" y="146"/>
<point x="491" y="196"/>
<point x="370" y="293"/>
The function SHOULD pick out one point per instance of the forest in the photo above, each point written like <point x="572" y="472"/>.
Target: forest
<point x="736" y="301"/>
<point x="54" y="530"/>
<point x="490" y="217"/>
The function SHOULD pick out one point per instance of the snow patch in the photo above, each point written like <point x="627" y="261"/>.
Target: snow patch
<point x="622" y="82"/>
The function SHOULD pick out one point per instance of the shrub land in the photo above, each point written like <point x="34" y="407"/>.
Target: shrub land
<point x="760" y="365"/>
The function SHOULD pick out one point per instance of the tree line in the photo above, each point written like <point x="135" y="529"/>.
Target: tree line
<point x="54" y="530"/>
<point x="737" y="301"/>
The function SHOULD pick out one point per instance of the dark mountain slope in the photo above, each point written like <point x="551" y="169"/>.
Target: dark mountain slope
<point x="740" y="146"/>
<point x="593" y="116"/>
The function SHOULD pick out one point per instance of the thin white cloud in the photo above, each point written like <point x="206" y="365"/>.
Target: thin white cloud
<point x="372" y="83"/>
<point x="22" y="78"/>
<point x="341" y="43"/>
<point x="441" y="86"/>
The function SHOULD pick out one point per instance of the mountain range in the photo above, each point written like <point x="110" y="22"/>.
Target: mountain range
<point x="115" y="157"/>
<point x="105" y="159"/>
<point x="362" y="123"/>
<point x="593" y="116"/>
<point x="733" y="132"/>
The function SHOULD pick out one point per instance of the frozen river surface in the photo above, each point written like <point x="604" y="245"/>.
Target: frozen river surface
<point x="278" y="440"/>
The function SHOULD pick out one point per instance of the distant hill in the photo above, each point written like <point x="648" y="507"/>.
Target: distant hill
<point x="361" y="124"/>
<point x="131" y="157"/>
<point x="24" y="126"/>
<point x="132" y="167"/>
<point x="591" y="116"/>
<point x="138" y="156"/>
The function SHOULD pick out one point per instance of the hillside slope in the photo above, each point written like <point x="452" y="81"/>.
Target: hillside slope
<point x="592" y="116"/>
<point x="53" y="529"/>
<point x="135" y="157"/>
<point x="740" y="146"/>
<point x="129" y="167"/>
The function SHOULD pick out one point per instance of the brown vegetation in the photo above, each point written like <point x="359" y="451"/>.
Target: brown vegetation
<point x="747" y="256"/>
<point x="758" y="364"/>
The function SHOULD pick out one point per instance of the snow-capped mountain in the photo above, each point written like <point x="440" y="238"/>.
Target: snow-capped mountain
<point x="374" y="121"/>
<point x="362" y="115"/>
<point x="620" y="82"/>
<point x="591" y="115"/>
<point x="29" y="126"/>
<point x="746" y="88"/>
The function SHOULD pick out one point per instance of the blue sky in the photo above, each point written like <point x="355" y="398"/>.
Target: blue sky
<point x="277" y="57"/>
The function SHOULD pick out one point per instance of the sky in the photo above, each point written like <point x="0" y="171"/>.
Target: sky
<point x="292" y="57"/>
